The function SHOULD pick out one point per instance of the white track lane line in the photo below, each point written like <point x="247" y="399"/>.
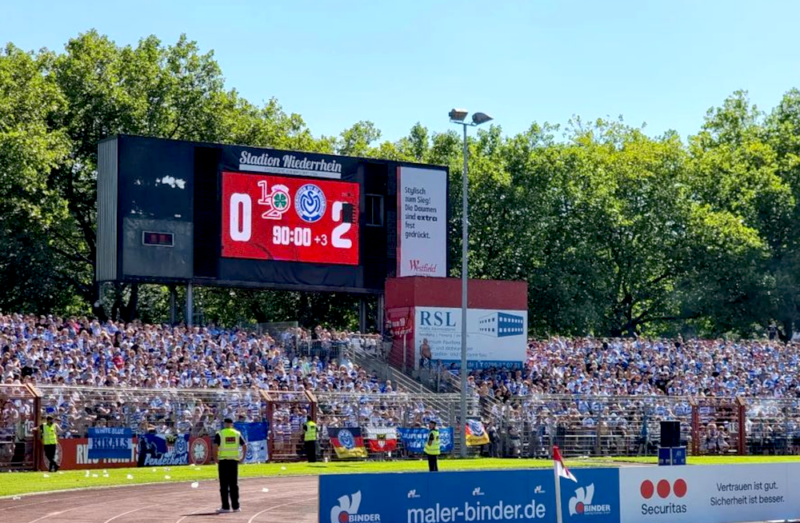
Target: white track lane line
<point x="53" y="514"/>
<point x="50" y="515"/>
<point x="129" y="512"/>
<point x="273" y="508"/>
<point x="43" y="502"/>
<point x="200" y="511"/>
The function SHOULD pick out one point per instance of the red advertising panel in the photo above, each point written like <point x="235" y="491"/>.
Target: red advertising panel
<point x="73" y="453"/>
<point x="279" y="218"/>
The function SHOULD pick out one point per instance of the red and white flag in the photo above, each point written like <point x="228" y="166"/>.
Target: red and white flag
<point x="561" y="470"/>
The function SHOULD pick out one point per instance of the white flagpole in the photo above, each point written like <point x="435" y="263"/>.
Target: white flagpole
<point x="559" y="516"/>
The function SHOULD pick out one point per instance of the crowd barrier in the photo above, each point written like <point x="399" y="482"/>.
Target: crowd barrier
<point x="116" y="448"/>
<point x="73" y="454"/>
<point x="525" y="427"/>
<point x="708" y="494"/>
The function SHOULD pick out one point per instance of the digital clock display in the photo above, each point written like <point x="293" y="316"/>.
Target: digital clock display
<point x="268" y="217"/>
<point x="158" y="239"/>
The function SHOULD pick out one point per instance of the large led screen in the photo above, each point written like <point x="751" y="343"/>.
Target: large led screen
<point x="280" y="218"/>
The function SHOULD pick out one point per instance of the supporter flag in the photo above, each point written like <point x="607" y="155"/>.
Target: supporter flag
<point x="561" y="470"/>
<point x="347" y="443"/>
<point x="382" y="439"/>
<point x="476" y="434"/>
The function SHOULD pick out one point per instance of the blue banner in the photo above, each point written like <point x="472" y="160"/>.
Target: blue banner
<point x="595" y="498"/>
<point x="441" y="497"/>
<point x="110" y="443"/>
<point x="255" y="434"/>
<point x="156" y="450"/>
<point x="414" y="439"/>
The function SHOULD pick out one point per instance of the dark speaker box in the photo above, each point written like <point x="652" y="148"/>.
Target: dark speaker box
<point x="670" y="434"/>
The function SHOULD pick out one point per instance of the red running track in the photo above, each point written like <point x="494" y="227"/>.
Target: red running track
<point x="290" y="499"/>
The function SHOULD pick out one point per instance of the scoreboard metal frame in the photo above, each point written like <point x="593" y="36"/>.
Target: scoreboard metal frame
<point x="174" y="188"/>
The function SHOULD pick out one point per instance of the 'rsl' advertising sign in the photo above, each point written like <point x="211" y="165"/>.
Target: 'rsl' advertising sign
<point x="495" y="338"/>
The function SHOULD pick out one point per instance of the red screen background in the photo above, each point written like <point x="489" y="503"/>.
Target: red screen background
<point x="251" y="231"/>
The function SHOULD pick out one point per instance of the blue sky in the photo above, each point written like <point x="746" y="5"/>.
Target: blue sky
<point x="396" y="63"/>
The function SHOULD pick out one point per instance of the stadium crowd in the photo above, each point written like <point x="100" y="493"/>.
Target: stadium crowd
<point x="50" y="350"/>
<point x="625" y="377"/>
<point x="620" y="367"/>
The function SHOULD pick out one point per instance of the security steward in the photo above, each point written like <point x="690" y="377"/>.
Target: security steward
<point x="226" y="453"/>
<point x="49" y="434"/>
<point x="432" y="448"/>
<point x="310" y="440"/>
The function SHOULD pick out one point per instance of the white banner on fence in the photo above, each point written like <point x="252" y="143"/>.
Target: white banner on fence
<point x="709" y="494"/>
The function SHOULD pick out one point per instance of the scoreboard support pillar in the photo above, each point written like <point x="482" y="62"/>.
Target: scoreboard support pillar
<point x="380" y="315"/>
<point x="173" y="313"/>
<point x="189" y="304"/>
<point x="362" y="314"/>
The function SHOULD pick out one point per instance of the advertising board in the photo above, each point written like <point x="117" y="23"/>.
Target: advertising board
<point x="711" y="494"/>
<point x="421" y="222"/>
<point x="517" y="495"/>
<point x="495" y="338"/>
<point x="73" y="454"/>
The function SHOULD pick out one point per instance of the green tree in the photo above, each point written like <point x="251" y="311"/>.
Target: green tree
<point x="29" y="206"/>
<point x="149" y="89"/>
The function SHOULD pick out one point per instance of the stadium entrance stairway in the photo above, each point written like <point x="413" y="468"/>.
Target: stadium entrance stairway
<point x="437" y="384"/>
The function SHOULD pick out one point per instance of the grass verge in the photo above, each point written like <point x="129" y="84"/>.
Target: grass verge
<point x="20" y="483"/>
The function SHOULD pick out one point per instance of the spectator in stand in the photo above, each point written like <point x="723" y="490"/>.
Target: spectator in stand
<point x="425" y="355"/>
<point x="714" y="440"/>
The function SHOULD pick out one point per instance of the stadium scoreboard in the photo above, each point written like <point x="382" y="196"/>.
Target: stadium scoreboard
<point x="185" y="212"/>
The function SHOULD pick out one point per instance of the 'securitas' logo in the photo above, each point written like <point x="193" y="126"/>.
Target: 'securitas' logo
<point x="310" y="203"/>
<point x="671" y="494"/>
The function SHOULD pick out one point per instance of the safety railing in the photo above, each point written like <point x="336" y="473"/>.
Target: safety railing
<point x="526" y="426"/>
<point x="20" y="406"/>
<point x="197" y="412"/>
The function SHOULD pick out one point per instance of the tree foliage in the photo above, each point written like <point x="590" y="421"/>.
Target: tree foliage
<point x="615" y="231"/>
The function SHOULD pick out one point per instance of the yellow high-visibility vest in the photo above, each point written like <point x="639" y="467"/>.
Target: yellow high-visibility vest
<point x="49" y="434"/>
<point x="228" y="444"/>
<point x="433" y="448"/>
<point x="311" y="431"/>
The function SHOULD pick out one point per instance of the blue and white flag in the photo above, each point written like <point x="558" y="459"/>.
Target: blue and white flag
<point x="255" y="434"/>
<point x="110" y="443"/>
<point x="414" y="439"/>
<point x="156" y="450"/>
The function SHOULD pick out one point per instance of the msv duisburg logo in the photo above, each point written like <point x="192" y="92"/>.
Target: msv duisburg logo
<point x="346" y="439"/>
<point x="581" y="503"/>
<point x="347" y="511"/>
<point x="310" y="203"/>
